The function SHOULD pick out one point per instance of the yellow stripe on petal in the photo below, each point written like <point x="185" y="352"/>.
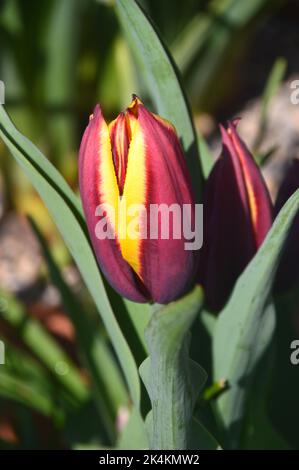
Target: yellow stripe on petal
<point x="252" y="200"/>
<point x="134" y="194"/>
<point x="108" y="188"/>
<point x="249" y="189"/>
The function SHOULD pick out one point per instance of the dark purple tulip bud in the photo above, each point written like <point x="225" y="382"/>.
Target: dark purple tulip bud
<point x="237" y="217"/>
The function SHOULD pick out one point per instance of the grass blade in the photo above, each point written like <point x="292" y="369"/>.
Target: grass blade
<point x="162" y="78"/>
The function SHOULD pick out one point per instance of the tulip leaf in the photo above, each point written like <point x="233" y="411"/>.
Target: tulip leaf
<point x="284" y="371"/>
<point x="244" y="328"/>
<point x="161" y="77"/>
<point x="209" y="322"/>
<point x="65" y="210"/>
<point x="172" y="379"/>
<point x="139" y="315"/>
<point x="259" y="432"/>
<point x="201" y="438"/>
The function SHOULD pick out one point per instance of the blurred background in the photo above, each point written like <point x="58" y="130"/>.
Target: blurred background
<point x="57" y="59"/>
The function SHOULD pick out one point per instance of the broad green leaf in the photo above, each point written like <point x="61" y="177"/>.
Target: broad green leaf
<point x="283" y="400"/>
<point x="132" y="319"/>
<point x="161" y="76"/>
<point x="259" y="432"/>
<point x="65" y="210"/>
<point x="15" y="140"/>
<point x="108" y="387"/>
<point x="209" y="321"/>
<point x="140" y="315"/>
<point x="172" y="379"/>
<point x="244" y="328"/>
<point x="201" y="438"/>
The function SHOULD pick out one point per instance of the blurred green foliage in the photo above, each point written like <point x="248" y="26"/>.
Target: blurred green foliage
<point x="57" y="59"/>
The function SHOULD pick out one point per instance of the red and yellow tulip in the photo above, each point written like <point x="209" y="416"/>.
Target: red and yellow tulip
<point x="136" y="160"/>
<point x="237" y="217"/>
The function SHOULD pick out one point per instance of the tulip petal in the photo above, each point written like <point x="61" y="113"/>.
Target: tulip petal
<point x="258" y="198"/>
<point x="98" y="185"/>
<point x="166" y="267"/>
<point x="120" y="139"/>
<point x="134" y="195"/>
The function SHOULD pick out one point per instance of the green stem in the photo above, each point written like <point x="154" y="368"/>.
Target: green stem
<point x="172" y="401"/>
<point x="172" y="379"/>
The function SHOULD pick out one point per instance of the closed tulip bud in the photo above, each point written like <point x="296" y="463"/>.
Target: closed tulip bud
<point x="237" y="216"/>
<point x="127" y="170"/>
<point x="288" y="270"/>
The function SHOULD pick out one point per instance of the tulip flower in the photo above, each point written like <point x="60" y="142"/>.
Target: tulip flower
<point x="237" y="216"/>
<point x="288" y="270"/>
<point x="136" y="160"/>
